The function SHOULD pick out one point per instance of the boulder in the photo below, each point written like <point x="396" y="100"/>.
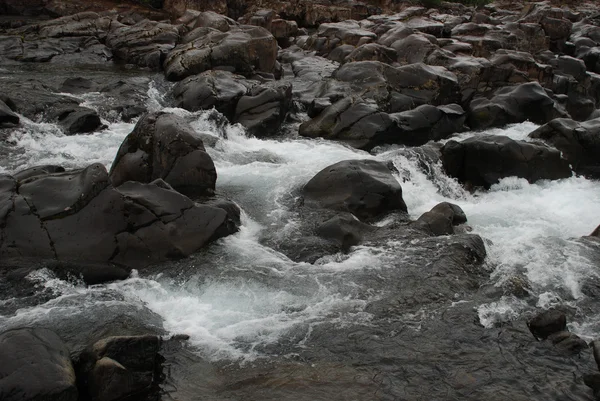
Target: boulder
<point x="441" y="219"/>
<point x="365" y="188"/>
<point x="331" y="35"/>
<point x="579" y="143"/>
<point x="35" y="364"/>
<point x="7" y="117"/>
<point x="371" y="51"/>
<point x="568" y="342"/>
<point x="118" y="368"/>
<point x="145" y="44"/>
<point x="485" y="159"/>
<point x="427" y="123"/>
<point x="79" y="120"/>
<point x="514" y="104"/>
<point x="547" y="323"/>
<point x="345" y="230"/>
<point x="263" y="110"/>
<point x="164" y="146"/>
<point x="219" y="89"/>
<point x="78" y="216"/>
<point x="211" y="19"/>
<point x="245" y="50"/>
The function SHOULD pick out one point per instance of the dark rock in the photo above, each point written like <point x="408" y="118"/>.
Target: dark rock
<point x="484" y="160"/>
<point x="35" y="365"/>
<point x="331" y="35"/>
<point x="118" y="368"/>
<point x="441" y="219"/>
<point x="211" y="19"/>
<point x="164" y="146"/>
<point x="371" y="51"/>
<point x="37" y="171"/>
<point x="592" y="380"/>
<point x="263" y="110"/>
<point x="425" y="123"/>
<point x="219" y="89"/>
<point x="515" y="104"/>
<point x="78" y="216"/>
<point x="345" y="230"/>
<point x="7" y="117"/>
<point x="79" y="120"/>
<point x="591" y="58"/>
<point x="365" y="188"/>
<point x="145" y="44"/>
<point x="90" y="273"/>
<point x="596" y="233"/>
<point x="579" y="143"/>
<point x="76" y="85"/>
<point x="568" y="342"/>
<point x="245" y="50"/>
<point x="547" y="323"/>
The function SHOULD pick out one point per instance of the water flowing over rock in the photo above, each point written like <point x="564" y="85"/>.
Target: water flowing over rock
<point x="35" y="365"/>
<point x="484" y="160"/>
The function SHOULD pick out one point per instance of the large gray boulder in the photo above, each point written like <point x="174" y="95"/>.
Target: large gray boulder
<point x="264" y="109"/>
<point x="365" y="188"/>
<point x="245" y="50"/>
<point x="484" y="160"/>
<point x="579" y="143"/>
<point x="79" y="216"/>
<point x="164" y="146"/>
<point x="35" y="365"/>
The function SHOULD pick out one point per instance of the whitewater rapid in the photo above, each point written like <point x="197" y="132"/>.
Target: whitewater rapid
<point x="240" y="296"/>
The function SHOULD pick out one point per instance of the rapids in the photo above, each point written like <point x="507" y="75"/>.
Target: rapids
<point x="243" y="302"/>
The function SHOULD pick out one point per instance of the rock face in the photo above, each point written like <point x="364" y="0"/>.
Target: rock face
<point x="513" y="105"/>
<point x="244" y="50"/>
<point x="118" y="368"/>
<point x="484" y="160"/>
<point x="578" y="142"/>
<point x="365" y="188"/>
<point x="164" y="146"/>
<point x="79" y="216"/>
<point x="35" y="365"/>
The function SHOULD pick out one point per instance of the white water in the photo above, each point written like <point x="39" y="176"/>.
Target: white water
<point x="530" y="227"/>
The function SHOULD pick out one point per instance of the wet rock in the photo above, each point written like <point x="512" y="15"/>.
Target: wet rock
<point x="37" y="171"/>
<point x="596" y="352"/>
<point x="145" y="44"/>
<point x="76" y="85"/>
<point x="441" y="219"/>
<point x="371" y="51"/>
<point x="263" y="110"/>
<point x="35" y="365"/>
<point x="211" y="19"/>
<point x="219" y="89"/>
<point x="79" y="120"/>
<point x="7" y="117"/>
<point x="78" y="216"/>
<point x="568" y="342"/>
<point x="414" y="48"/>
<point x="164" y="146"/>
<point x="425" y="123"/>
<point x="36" y="102"/>
<point x="245" y="50"/>
<point x="345" y="230"/>
<point x="484" y="160"/>
<point x="118" y="368"/>
<point x="331" y="35"/>
<point x="579" y="143"/>
<point x="365" y="188"/>
<point x="515" y="104"/>
<point x="592" y="380"/>
<point x="596" y="232"/>
<point x="547" y="323"/>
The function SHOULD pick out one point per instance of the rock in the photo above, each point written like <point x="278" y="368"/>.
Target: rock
<point x="511" y="105"/>
<point x="591" y="57"/>
<point x="7" y="117"/>
<point x="219" y="89"/>
<point x="571" y="66"/>
<point x="569" y="342"/>
<point x="76" y="85"/>
<point x="79" y="120"/>
<point x="263" y="110"/>
<point x="331" y="35"/>
<point x="245" y="50"/>
<point x="441" y="219"/>
<point x="78" y="216"/>
<point x="118" y="368"/>
<point x="427" y="123"/>
<point x="414" y="48"/>
<point x="596" y="232"/>
<point x="211" y="19"/>
<point x="592" y="380"/>
<point x="37" y="171"/>
<point x="345" y="230"/>
<point x="365" y="188"/>
<point x="579" y="143"/>
<point x="145" y="44"/>
<point x="596" y="352"/>
<point x="35" y="365"/>
<point x="90" y="273"/>
<point x="547" y="323"/>
<point x="164" y="146"/>
<point x="371" y="51"/>
<point x="484" y="160"/>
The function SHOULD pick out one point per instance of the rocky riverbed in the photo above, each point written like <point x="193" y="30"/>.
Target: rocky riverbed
<point x="265" y="200"/>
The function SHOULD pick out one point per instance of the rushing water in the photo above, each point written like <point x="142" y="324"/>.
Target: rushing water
<point x="241" y="297"/>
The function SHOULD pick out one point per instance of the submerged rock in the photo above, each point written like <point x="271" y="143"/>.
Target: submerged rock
<point x="484" y="160"/>
<point x="365" y="188"/>
<point x="164" y="146"/>
<point x="35" y="365"/>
